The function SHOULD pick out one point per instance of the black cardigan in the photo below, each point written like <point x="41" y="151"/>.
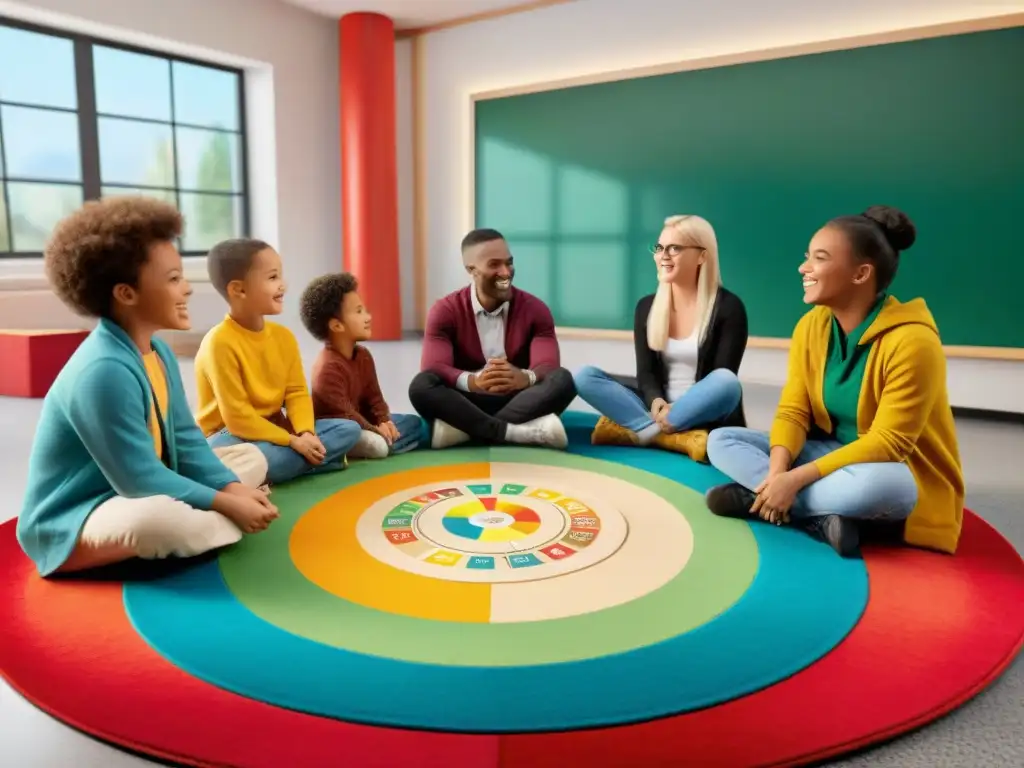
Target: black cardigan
<point x="723" y="347"/>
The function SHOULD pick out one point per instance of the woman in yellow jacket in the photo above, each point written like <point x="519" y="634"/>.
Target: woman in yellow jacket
<point x="864" y="429"/>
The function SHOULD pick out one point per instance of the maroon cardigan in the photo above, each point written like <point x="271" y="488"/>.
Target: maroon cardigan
<point x="451" y="343"/>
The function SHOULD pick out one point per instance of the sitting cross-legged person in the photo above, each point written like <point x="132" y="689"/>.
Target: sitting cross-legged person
<point x="249" y="373"/>
<point x="491" y="367"/>
<point x="118" y="468"/>
<point x="344" y="383"/>
<point x="689" y="339"/>
<point x="864" y="432"/>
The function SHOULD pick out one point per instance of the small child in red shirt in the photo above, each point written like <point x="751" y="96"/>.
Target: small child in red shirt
<point x="344" y="378"/>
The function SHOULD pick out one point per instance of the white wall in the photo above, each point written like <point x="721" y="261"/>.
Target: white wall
<point x="406" y="201"/>
<point x="291" y="59"/>
<point x="591" y="36"/>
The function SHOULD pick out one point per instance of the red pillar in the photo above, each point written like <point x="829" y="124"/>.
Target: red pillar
<point x="369" y="171"/>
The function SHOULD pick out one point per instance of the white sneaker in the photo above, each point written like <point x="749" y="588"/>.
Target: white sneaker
<point x="370" y="445"/>
<point x="547" y="431"/>
<point x="445" y="435"/>
<point x="552" y="432"/>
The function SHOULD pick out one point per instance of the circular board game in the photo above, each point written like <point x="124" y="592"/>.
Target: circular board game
<point x="499" y="531"/>
<point x="442" y="608"/>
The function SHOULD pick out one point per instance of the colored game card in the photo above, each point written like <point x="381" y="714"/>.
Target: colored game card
<point x="556" y="552"/>
<point x="401" y="536"/>
<point x="574" y="507"/>
<point x="523" y="561"/>
<point x="397" y="520"/>
<point x="544" y="493"/>
<point x="443" y="557"/>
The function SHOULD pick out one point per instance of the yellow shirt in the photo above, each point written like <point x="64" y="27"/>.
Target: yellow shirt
<point x="243" y="377"/>
<point x="903" y="414"/>
<point x="157" y="380"/>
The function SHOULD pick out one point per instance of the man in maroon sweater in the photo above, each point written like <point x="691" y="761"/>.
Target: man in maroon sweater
<point x="490" y="368"/>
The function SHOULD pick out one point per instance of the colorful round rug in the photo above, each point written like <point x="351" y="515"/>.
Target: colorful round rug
<point x="514" y="607"/>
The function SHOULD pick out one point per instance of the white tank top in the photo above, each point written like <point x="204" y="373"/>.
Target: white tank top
<point x="681" y="364"/>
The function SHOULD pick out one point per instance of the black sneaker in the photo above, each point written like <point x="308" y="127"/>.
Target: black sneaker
<point x="730" y="500"/>
<point x="841" y="533"/>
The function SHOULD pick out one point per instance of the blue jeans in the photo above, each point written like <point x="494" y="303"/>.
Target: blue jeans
<point x="712" y="398"/>
<point x="285" y="463"/>
<point x="876" y="491"/>
<point x="410" y="433"/>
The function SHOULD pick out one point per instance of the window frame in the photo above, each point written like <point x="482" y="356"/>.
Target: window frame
<point x="88" y="128"/>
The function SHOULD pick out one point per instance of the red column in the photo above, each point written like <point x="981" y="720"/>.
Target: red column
<point x="369" y="172"/>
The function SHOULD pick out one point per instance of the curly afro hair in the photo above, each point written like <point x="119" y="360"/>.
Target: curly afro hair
<point x="105" y="243"/>
<point x="321" y="301"/>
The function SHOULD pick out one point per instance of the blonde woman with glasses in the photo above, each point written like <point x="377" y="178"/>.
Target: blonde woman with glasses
<point x="689" y="337"/>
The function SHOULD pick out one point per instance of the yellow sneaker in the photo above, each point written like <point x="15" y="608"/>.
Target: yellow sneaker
<point x="693" y="443"/>
<point x="607" y="432"/>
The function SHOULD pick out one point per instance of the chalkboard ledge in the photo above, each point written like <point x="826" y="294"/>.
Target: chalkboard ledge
<point x="1015" y="354"/>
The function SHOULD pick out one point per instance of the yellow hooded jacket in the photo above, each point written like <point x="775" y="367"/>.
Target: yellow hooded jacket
<point x="903" y="414"/>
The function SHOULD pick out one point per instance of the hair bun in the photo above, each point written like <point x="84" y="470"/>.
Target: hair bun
<point x="898" y="228"/>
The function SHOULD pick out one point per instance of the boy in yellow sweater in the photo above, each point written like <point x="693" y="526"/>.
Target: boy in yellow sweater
<point x="249" y="374"/>
<point x="864" y="430"/>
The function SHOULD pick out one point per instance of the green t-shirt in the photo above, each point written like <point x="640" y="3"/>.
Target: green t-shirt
<point x="844" y="374"/>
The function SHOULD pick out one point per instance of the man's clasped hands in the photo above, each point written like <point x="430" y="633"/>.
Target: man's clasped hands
<point x="499" y="377"/>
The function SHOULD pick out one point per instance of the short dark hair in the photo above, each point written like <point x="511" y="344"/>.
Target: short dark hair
<point x="321" y="301"/>
<point x="231" y="260"/>
<point x="102" y="244"/>
<point x="478" y="236"/>
<point x="879" y="235"/>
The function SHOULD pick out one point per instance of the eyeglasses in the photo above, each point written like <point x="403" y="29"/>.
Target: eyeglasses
<point x="673" y="249"/>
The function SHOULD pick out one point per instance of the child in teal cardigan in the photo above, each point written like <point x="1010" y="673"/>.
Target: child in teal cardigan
<point x="118" y="467"/>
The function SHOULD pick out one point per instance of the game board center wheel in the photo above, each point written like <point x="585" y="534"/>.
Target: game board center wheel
<point x="492" y="532"/>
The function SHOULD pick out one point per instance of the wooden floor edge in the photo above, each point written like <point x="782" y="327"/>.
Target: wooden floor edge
<point x="183" y="343"/>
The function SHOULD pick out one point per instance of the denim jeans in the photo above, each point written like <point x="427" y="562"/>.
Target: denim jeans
<point x="284" y="463"/>
<point x="410" y="433"/>
<point x="485" y="417"/>
<point x="712" y="398"/>
<point x="876" y="491"/>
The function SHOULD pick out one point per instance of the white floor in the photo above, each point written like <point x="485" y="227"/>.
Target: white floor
<point x="987" y="733"/>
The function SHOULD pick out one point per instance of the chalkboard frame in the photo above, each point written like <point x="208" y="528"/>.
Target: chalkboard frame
<point x="993" y="23"/>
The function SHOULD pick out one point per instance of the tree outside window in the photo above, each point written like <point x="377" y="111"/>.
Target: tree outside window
<point x="82" y="119"/>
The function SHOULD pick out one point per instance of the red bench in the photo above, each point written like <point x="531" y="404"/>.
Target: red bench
<point x="31" y="359"/>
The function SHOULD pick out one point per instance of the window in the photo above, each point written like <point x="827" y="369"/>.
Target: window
<point x="82" y="118"/>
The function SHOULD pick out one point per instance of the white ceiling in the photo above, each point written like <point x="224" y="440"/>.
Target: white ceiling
<point x="407" y="13"/>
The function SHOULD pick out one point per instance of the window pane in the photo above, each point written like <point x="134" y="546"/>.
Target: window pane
<point x="205" y="96"/>
<point x="41" y="144"/>
<point x="36" y="208"/>
<point x="132" y="84"/>
<point x="5" y="236"/>
<point x="210" y="219"/>
<point x="37" y="69"/>
<point x="134" y="153"/>
<point x="167" y="195"/>
<point x="209" y="161"/>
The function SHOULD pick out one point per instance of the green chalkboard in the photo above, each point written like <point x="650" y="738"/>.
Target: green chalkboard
<point x="580" y="179"/>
